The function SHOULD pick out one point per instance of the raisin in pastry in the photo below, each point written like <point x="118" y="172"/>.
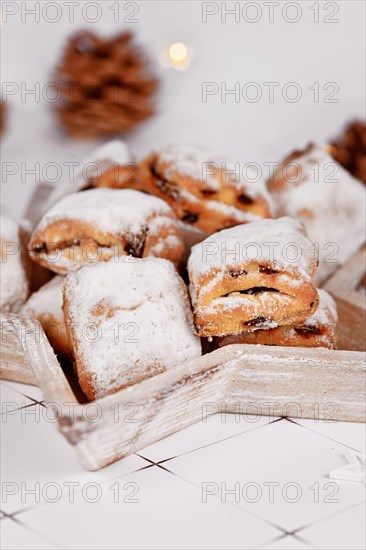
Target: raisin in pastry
<point x="317" y="331"/>
<point x="98" y="224"/>
<point x="205" y="190"/>
<point x="254" y="276"/>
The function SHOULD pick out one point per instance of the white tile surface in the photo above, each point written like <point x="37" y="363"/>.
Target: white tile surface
<point x="281" y="453"/>
<point x="214" y="428"/>
<point x="287" y="543"/>
<point x="10" y="400"/>
<point x="340" y="532"/>
<point x="351" y="434"/>
<point x="37" y="457"/>
<point x="169" y="514"/>
<point x="15" y="536"/>
<point x="32" y="392"/>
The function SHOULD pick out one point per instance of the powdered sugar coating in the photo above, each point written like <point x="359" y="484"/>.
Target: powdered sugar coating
<point x="113" y="153"/>
<point x="141" y="313"/>
<point x="282" y="242"/>
<point x="108" y="210"/>
<point x="326" y="313"/>
<point x="194" y="162"/>
<point x="47" y="300"/>
<point x="331" y="205"/>
<point x="14" y="285"/>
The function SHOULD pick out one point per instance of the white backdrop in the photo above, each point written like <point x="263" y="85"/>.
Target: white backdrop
<point x="240" y="51"/>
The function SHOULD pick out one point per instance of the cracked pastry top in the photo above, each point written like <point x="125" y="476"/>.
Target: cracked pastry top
<point x="318" y="330"/>
<point x="99" y="224"/>
<point x="253" y="276"/>
<point x="121" y="337"/>
<point x="313" y="187"/>
<point x="15" y="268"/>
<point x="204" y="189"/>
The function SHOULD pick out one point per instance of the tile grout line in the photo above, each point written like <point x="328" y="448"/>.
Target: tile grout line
<point x="214" y="442"/>
<point x="325" y="436"/>
<point x="316" y="522"/>
<point x="247" y="512"/>
<point x="26" y="527"/>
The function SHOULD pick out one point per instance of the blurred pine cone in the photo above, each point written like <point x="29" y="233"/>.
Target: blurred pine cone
<point x="107" y="87"/>
<point x="350" y="149"/>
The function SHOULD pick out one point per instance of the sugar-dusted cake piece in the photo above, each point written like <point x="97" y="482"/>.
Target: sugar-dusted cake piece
<point x="258" y="275"/>
<point x="205" y="189"/>
<point x="99" y="224"/>
<point x="45" y="305"/>
<point x="111" y="165"/>
<point x="15" y="268"/>
<point x="320" y="330"/>
<point x="314" y="188"/>
<point x="128" y="320"/>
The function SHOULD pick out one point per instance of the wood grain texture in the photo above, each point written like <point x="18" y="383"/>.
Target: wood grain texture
<point x="13" y="363"/>
<point x="351" y="303"/>
<point x="242" y="379"/>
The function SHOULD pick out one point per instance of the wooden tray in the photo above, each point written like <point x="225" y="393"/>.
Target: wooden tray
<point x="351" y="302"/>
<point x="243" y="379"/>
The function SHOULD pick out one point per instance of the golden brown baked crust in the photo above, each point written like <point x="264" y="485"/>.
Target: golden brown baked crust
<point x="118" y="177"/>
<point x="233" y="293"/>
<point x="99" y="224"/>
<point x="319" y="330"/>
<point x="211" y="202"/>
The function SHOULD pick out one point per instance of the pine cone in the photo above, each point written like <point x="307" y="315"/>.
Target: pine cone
<point x="350" y="149"/>
<point x="106" y="85"/>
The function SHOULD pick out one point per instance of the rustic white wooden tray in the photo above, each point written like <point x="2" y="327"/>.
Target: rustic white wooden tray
<point x="344" y="286"/>
<point x="243" y="379"/>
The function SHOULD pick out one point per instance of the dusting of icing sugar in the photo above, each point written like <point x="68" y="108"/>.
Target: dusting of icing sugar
<point x="281" y="242"/>
<point x="158" y="248"/>
<point x="108" y="210"/>
<point x="331" y="205"/>
<point x="195" y="162"/>
<point x="190" y="161"/>
<point x="14" y="285"/>
<point x="227" y="210"/>
<point x="326" y="313"/>
<point x="148" y="302"/>
<point x="110" y="154"/>
<point x="47" y="300"/>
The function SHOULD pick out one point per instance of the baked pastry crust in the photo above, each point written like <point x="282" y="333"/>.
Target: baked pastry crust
<point x="46" y="306"/>
<point x="99" y="224"/>
<point x="253" y="276"/>
<point x="121" y="337"/>
<point x="15" y="266"/>
<point x="318" y="330"/>
<point x="313" y="187"/>
<point x="210" y="202"/>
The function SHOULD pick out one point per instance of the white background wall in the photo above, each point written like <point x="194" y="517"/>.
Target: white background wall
<point x="224" y="52"/>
